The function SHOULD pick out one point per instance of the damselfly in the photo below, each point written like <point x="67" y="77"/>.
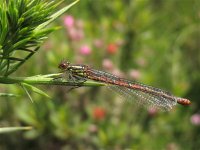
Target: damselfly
<point x="144" y="94"/>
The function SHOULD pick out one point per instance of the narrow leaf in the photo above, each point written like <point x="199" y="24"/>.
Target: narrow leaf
<point x="13" y="129"/>
<point x="27" y="92"/>
<point x="56" y="15"/>
<point x="8" y="95"/>
<point x="36" y="90"/>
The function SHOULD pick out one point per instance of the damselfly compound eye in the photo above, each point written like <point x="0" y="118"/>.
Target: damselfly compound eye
<point x="63" y="65"/>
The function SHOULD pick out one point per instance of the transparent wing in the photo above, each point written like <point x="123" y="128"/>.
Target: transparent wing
<point x="144" y="99"/>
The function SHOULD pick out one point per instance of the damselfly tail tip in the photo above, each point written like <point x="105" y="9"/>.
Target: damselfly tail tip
<point x="183" y="101"/>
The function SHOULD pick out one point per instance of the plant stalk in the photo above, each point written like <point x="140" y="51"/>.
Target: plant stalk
<point x="49" y="79"/>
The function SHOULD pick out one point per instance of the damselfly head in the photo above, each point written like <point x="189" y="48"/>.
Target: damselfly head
<point x="63" y="65"/>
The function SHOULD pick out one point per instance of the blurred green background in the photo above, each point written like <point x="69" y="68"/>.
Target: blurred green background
<point x="155" y="42"/>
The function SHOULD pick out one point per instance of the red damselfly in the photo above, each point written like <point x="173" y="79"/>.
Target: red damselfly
<point x="144" y="94"/>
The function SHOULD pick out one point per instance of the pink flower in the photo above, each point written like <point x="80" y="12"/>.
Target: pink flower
<point x="112" y="48"/>
<point x="152" y="111"/>
<point x="118" y="73"/>
<point x="69" y="21"/>
<point x="85" y="50"/>
<point x="107" y="64"/>
<point x="195" y="119"/>
<point x="75" y="34"/>
<point x="98" y="43"/>
<point x="72" y="33"/>
<point x="93" y="128"/>
<point x="135" y="74"/>
<point x="99" y="113"/>
<point x="79" y="34"/>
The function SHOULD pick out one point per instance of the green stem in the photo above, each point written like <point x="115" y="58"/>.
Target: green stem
<point x="49" y="79"/>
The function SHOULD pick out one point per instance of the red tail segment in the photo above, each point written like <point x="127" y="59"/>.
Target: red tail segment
<point x="183" y="101"/>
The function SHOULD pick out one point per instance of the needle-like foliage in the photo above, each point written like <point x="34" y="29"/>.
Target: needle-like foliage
<point x="23" y="30"/>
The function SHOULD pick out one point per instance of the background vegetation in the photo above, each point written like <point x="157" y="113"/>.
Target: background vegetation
<point x="155" y="42"/>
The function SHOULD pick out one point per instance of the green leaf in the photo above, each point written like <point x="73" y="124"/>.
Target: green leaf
<point x="13" y="129"/>
<point x="56" y="15"/>
<point x="36" y="90"/>
<point x="44" y="32"/>
<point x="20" y="43"/>
<point x="8" y="95"/>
